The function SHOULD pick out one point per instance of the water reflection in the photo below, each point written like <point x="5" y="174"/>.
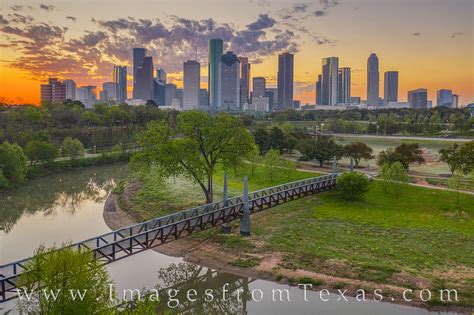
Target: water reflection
<point x="66" y="191"/>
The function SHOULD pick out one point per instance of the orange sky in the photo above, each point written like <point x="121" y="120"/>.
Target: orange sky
<point x="406" y="38"/>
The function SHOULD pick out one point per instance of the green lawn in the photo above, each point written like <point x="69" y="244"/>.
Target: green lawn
<point x="163" y="196"/>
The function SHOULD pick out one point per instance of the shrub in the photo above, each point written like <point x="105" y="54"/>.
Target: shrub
<point x="395" y="176"/>
<point x="352" y="185"/>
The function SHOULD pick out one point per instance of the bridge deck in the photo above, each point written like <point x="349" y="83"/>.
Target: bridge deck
<point x="133" y="239"/>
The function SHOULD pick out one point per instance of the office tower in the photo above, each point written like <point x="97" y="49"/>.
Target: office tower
<point x="144" y="88"/>
<point x="444" y="98"/>
<point x="244" y="81"/>
<point x="228" y="98"/>
<point x="203" y="99"/>
<point x="373" y="80"/>
<point x="192" y="84"/>
<point x="355" y="99"/>
<point x="455" y="103"/>
<point x="87" y="95"/>
<point x="54" y="91"/>
<point x="344" y="85"/>
<point x="161" y="75"/>
<point x="296" y="104"/>
<point x="179" y="97"/>
<point x="70" y="89"/>
<point x="138" y="56"/>
<point x="159" y="92"/>
<point x="318" y="91"/>
<point x="259" y="86"/>
<point x="216" y="49"/>
<point x="272" y="94"/>
<point x="390" y="87"/>
<point x="109" y="91"/>
<point x="120" y="78"/>
<point x="418" y="98"/>
<point x="285" y="81"/>
<point x="329" y="78"/>
<point x="170" y="93"/>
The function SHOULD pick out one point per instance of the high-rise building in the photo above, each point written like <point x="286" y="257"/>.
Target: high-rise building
<point x="144" y="88"/>
<point x="161" y="75"/>
<point x="159" y="92"/>
<point x="344" y="85"/>
<point x="54" y="91"/>
<point x="444" y="98"/>
<point x="109" y="91"/>
<point x="390" y="87"/>
<point x="170" y="93"/>
<point x="203" y="99"/>
<point x="244" y="81"/>
<point x="318" y="91"/>
<point x="138" y="56"/>
<point x="216" y="49"/>
<point x="192" y="84"/>
<point x="285" y="81"/>
<point x="373" y="95"/>
<point x="418" y="98"/>
<point x="70" y="89"/>
<point x="329" y="79"/>
<point x="272" y="94"/>
<point x="87" y="95"/>
<point x="455" y="103"/>
<point x="120" y="78"/>
<point x="228" y="98"/>
<point x="258" y="87"/>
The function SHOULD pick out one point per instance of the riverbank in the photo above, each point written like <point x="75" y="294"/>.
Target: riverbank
<point x="289" y="262"/>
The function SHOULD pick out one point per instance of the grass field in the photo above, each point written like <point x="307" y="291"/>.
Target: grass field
<point x="163" y="196"/>
<point x="421" y="238"/>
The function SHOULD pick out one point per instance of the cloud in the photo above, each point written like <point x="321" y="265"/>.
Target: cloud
<point x="300" y="7"/>
<point x="46" y="7"/>
<point x="456" y="34"/>
<point x="416" y="34"/>
<point x="264" y="21"/>
<point x="319" y="13"/>
<point x="71" y="18"/>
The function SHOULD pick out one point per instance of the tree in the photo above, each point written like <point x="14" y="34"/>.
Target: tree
<point x="390" y="156"/>
<point x="455" y="183"/>
<point x="37" y="150"/>
<point x="358" y="151"/>
<point x="60" y="271"/>
<point x="12" y="163"/>
<point x="195" y="147"/>
<point x="72" y="147"/>
<point x="395" y="176"/>
<point x="321" y="149"/>
<point x="466" y="153"/>
<point x="272" y="163"/>
<point x="411" y="152"/>
<point x="276" y="139"/>
<point x="451" y="157"/>
<point x="254" y="158"/>
<point x="352" y="185"/>
<point x="261" y="139"/>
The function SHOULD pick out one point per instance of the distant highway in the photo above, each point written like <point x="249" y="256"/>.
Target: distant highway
<point x="402" y="137"/>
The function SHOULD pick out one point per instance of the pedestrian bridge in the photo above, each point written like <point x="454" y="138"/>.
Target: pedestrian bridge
<point x="134" y="239"/>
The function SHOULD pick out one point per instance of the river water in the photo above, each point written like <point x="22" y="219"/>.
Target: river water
<point x="68" y="207"/>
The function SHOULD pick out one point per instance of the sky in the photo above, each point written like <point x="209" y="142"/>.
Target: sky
<point x="430" y="42"/>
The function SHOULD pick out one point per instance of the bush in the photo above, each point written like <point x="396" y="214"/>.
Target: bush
<point x="352" y="185"/>
<point x="3" y="181"/>
<point x="72" y="147"/>
<point x="37" y="150"/>
<point x="12" y="163"/>
<point x="395" y="176"/>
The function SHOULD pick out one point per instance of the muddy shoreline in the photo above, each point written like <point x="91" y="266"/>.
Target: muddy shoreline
<point x="208" y="254"/>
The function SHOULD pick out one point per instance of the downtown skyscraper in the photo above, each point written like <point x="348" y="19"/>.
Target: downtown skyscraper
<point x="373" y="80"/>
<point x="285" y="81"/>
<point x="344" y="85"/>
<point x="390" y="87"/>
<point x="138" y="56"/>
<point x="191" y="84"/>
<point x="228" y="96"/>
<point x="244" y="81"/>
<point x="216" y="50"/>
<point x="144" y="82"/>
<point x="120" y="78"/>
<point x="444" y="98"/>
<point x="329" y="80"/>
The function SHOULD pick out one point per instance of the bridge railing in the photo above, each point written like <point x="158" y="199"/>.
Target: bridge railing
<point x="140" y="229"/>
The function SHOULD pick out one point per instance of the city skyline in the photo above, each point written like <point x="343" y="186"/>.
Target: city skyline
<point x="310" y="30"/>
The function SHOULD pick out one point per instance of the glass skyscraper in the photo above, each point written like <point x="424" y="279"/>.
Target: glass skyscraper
<point x="138" y="56"/>
<point x="373" y="80"/>
<point x="216" y="50"/>
<point x="120" y="78"/>
<point x="390" y="89"/>
<point x="329" y="81"/>
<point x="444" y="98"/>
<point x="285" y="81"/>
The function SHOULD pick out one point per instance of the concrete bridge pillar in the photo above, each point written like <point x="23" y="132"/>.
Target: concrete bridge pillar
<point x="245" y="220"/>
<point x="226" y="226"/>
<point x="351" y="165"/>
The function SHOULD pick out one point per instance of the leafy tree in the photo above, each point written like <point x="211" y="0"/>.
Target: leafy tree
<point x="466" y="153"/>
<point x="455" y="183"/>
<point x="3" y="181"/>
<point x="395" y="176"/>
<point x="72" y="147"/>
<point x="451" y="157"/>
<point x="290" y="142"/>
<point x="12" y="163"/>
<point x="254" y="158"/>
<point x="321" y="149"/>
<point x="272" y="163"/>
<point x="37" y="150"/>
<point x="60" y="271"/>
<point x="390" y="156"/>
<point x="276" y="139"/>
<point x="411" y="152"/>
<point x="358" y="151"/>
<point x="195" y="147"/>
<point x="261" y="136"/>
<point x="352" y="185"/>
